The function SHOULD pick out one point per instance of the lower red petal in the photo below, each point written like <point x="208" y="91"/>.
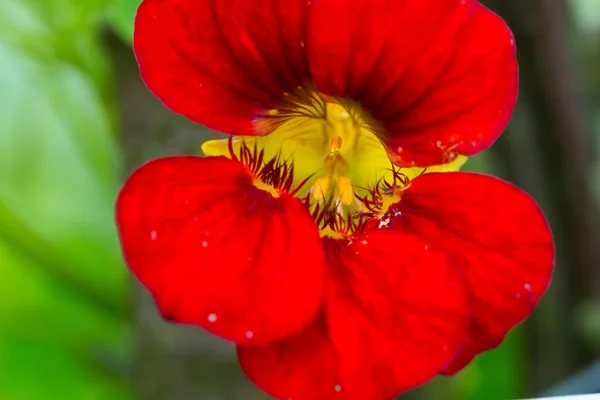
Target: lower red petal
<point x="217" y="252"/>
<point x="394" y="316"/>
<point x="494" y="234"/>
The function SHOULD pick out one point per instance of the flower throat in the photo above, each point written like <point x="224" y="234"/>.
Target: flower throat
<point x="325" y="152"/>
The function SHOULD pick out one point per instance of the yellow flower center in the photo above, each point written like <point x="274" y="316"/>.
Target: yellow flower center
<point x="335" y="145"/>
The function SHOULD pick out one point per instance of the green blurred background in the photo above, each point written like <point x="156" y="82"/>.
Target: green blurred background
<point x="75" y="118"/>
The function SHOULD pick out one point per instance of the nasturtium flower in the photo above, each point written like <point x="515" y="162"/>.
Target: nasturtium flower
<point x="330" y="235"/>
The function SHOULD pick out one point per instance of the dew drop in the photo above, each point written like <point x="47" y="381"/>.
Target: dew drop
<point x="212" y="317"/>
<point x="426" y="247"/>
<point x="337" y="388"/>
<point x="527" y="287"/>
<point x="249" y="335"/>
<point x="384" y="223"/>
<point x="153" y="235"/>
<point x="204" y="243"/>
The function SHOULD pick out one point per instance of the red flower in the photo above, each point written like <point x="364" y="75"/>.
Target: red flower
<point x="305" y="239"/>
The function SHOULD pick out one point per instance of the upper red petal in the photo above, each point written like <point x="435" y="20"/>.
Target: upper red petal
<point x="219" y="253"/>
<point x="440" y="75"/>
<point x="222" y="63"/>
<point x="494" y="234"/>
<point x="394" y="316"/>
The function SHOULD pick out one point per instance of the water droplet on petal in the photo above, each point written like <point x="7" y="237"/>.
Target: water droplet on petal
<point x="212" y="317"/>
<point x="204" y="243"/>
<point x="249" y="334"/>
<point x="337" y="388"/>
<point x="527" y="287"/>
<point x="384" y="223"/>
<point x="153" y="235"/>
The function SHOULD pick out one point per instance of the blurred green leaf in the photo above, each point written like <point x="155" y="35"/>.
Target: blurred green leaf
<point x="58" y="30"/>
<point x="41" y="372"/>
<point x="587" y="16"/>
<point x="121" y="15"/>
<point x="59" y="166"/>
<point x="587" y="320"/>
<point x="63" y="288"/>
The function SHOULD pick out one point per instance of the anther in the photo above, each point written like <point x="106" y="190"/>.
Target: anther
<point x="335" y="143"/>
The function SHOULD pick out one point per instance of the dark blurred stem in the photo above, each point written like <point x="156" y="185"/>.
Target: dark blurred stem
<point x="575" y="132"/>
<point x="547" y="151"/>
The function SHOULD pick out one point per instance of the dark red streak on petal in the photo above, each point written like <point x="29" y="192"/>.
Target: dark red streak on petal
<point x="217" y="252"/>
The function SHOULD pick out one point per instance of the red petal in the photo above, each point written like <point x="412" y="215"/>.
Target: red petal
<point x="222" y="63"/>
<point x="494" y="234"/>
<point x="441" y="75"/>
<point x="394" y="315"/>
<point x="217" y="252"/>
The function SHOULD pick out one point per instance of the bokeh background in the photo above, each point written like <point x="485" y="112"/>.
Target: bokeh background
<point x="75" y="119"/>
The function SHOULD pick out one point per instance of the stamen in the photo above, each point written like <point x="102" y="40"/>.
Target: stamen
<point x="345" y="190"/>
<point x="275" y="175"/>
<point x="320" y="188"/>
<point x="337" y="149"/>
<point x="336" y="143"/>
